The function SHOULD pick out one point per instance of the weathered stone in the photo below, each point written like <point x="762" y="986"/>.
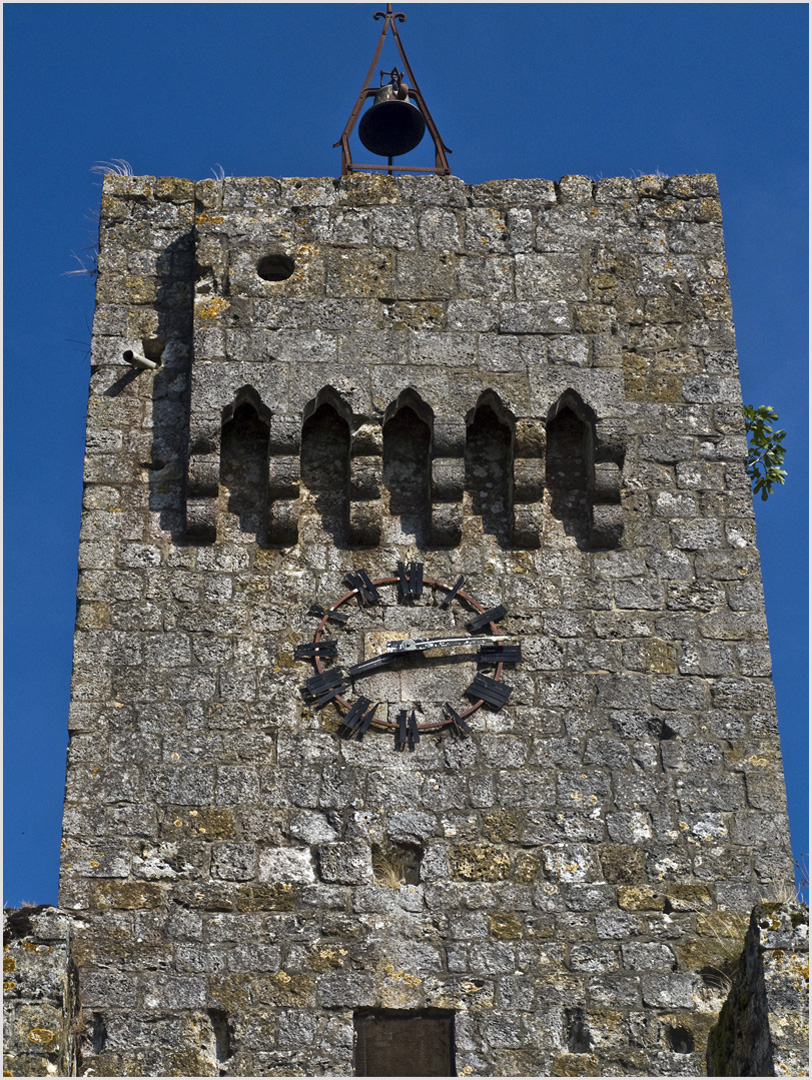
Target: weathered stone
<point x="480" y="862"/>
<point x="530" y="384"/>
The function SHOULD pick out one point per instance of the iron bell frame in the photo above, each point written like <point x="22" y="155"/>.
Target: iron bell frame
<point x="441" y="166"/>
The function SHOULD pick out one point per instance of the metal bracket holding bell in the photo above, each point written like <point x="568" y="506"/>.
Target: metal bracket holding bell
<point x="392" y="126"/>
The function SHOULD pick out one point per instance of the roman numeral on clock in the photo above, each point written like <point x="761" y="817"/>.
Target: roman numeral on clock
<point x="330" y="613"/>
<point x="358" y="719"/>
<point x="360" y="580"/>
<point x="408" y="733"/>
<point x="410" y="579"/>
<point x="489" y="690"/>
<point x="494" y="615"/>
<point x="319" y="689"/>
<point x="450" y="595"/>
<point x="458" y="725"/>
<point x="327" y="650"/>
<point x="499" y="654"/>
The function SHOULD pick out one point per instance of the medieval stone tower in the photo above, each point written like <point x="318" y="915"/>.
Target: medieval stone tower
<point x="394" y="420"/>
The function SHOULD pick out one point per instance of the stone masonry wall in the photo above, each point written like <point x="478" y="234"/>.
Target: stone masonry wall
<point x="528" y="383"/>
<point x="40" y="1006"/>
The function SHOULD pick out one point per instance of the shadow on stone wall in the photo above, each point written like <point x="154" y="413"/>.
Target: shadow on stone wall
<point x="171" y="391"/>
<point x="763" y="1028"/>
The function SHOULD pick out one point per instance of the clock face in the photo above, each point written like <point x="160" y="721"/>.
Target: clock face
<point x="407" y="654"/>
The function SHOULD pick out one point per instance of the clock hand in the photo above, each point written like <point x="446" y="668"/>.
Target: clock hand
<point x="409" y="645"/>
<point x="422" y="644"/>
<point x="372" y="664"/>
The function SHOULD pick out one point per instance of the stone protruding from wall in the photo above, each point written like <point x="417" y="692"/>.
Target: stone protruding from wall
<point x="447" y="482"/>
<point x="763" y="1028"/>
<point x="366" y="482"/>
<point x="528" y="482"/>
<point x="40" y="1007"/>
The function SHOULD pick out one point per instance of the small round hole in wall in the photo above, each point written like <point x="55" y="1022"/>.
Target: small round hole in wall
<point x="680" y="1040"/>
<point x="275" y="267"/>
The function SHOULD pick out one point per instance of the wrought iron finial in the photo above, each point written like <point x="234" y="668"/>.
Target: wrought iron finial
<point x="388" y="14"/>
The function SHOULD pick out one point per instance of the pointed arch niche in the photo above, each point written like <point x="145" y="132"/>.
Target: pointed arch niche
<point x="583" y="474"/>
<point x="489" y="450"/>
<point x="407" y="436"/>
<point x="325" y="467"/>
<point x="243" y="481"/>
<point x="570" y="465"/>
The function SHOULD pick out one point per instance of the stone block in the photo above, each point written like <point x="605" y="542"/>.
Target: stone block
<point x="485" y="277"/>
<point x="485" y="231"/>
<point x="233" y="862"/>
<point x="359" y="274"/>
<point x="423" y="276"/>
<point x="534" y="317"/>
<point x="438" y="230"/>
<point x="549" y="278"/>
<point x="346" y="864"/>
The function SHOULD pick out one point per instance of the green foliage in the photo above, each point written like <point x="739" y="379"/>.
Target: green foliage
<point x="766" y="449"/>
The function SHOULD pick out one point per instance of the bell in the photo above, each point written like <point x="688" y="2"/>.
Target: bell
<point x="392" y="126"/>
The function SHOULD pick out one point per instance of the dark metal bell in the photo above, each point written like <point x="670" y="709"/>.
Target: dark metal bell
<point x="392" y="126"/>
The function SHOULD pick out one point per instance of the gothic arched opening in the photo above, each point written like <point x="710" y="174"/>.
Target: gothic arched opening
<point x="326" y="469"/>
<point x="489" y="470"/>
<point x="244" y="474"/>
<point x="406" y="470"/>
<point x="570" y="468"/>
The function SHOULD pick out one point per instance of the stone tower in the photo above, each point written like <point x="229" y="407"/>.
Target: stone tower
<point x="293" y="841"/>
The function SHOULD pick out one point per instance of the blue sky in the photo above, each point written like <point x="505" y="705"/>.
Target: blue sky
<point x="517" y="90"/>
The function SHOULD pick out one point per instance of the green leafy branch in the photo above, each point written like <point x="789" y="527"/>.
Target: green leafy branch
<point x="766" y="450"/>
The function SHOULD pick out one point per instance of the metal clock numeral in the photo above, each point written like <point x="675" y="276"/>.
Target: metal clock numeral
<point x="499" y="654"/>
<point x="408" y="733"/>
<point x="357" y="721"/>
<point x="489" y="690"/>
<point x="320" y="613"/>
<point x="410" y="579"/>
<point x="326" y="685"/>
<point x="326" y="648"/>
<point x="456" y="588"/>
<point x="494" y="615"/>
<point x="367" y="593"/>
<point x="458" y="725"/>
